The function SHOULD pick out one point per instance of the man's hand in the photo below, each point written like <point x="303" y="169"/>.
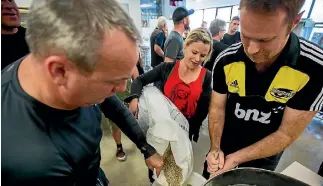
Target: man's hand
<point x="215" y="161"/>
<point x="133" y="107"/>
<point x="155" y="162"/>
<point x="230" y="163"/>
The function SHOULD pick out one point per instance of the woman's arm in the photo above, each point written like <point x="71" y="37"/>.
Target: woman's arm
<point x="151" y="76"/>
<point x="202" y="107"/>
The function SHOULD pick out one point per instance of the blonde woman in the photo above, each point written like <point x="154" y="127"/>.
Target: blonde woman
<point x="185" y="82"/>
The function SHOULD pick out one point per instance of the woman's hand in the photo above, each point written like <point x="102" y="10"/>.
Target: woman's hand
<point x="133" y="107"/>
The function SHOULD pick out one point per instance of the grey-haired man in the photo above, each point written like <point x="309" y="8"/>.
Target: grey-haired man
<point x="51" y="125"/>
<point x="217" y="29"/>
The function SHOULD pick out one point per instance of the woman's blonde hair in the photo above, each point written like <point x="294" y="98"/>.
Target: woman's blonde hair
<point x="203" y="35"/>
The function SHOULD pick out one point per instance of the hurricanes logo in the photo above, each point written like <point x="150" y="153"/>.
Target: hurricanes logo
<point x="281" y="93"/>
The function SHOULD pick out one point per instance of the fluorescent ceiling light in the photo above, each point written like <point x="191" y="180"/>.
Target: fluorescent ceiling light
<point x="146" y="5"/>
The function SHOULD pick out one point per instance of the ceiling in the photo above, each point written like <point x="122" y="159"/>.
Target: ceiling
<point x="201" y="4"/>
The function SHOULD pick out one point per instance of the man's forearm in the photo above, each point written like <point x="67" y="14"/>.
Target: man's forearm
<point x="268" y="146"/>
<point x="293" y="124"/>
<point x="114" y="109"/>
<point x="216" y="123"/>
<point x="159" y="51"/>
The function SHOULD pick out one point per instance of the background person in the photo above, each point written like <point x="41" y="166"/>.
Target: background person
<point x="157" y="41"/>
<point x="185" y="82"/>
<point x="115" y="130"/>
<point x="173" y="49"/>
<point x="233" y="35"/>
<point x="204" y="24"/>
<point x="217" y="29"/>
<point x="258" y="107"/>
<point x="13" y="42"/>
<point x="186" y="32"/>
<point x="51" y="125"/>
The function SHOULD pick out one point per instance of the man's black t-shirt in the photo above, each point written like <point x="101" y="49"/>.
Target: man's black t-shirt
<point x="13" y="47"/>
<point x="45" y="146"/>
<point x="41" y="145"/>
<point x="157" y="38"/>
<point x="231" y="39"/>
<point x="218" y="47"/>
<point x="257" y="100"/>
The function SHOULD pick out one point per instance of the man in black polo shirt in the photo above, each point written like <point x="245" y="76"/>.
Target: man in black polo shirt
<point x="157" y="41"/>
<point x="217" y="29"/>
<point x="13" y="42"/>
<point x="50" y="125"/>
<point x="266" y="89"/>
<point x="233" y="35"/>
<point x="174" y="43"/>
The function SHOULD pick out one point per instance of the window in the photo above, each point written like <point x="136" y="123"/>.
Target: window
<point x="224" y="14"/>
<point x="196" y="19"/>
<point x="306" y="7"/>
<point x="317" y="14"/>
<point x="150" y="9"/>
<point x="209" y="15"/>
<point x="235" y="11"/>
<point x="317" y="36"/>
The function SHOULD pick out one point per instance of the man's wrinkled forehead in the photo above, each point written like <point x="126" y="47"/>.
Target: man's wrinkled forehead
<point x="254" y="25"/>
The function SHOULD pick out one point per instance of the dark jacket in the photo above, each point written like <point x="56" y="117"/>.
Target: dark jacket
<point x="218" y="47"/>
<point x="157" y="37"/>
<point x="231" y="39"/>
<point x="160" y="74"/>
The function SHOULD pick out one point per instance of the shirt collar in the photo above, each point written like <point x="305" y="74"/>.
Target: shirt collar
<point x="290" y="53"/>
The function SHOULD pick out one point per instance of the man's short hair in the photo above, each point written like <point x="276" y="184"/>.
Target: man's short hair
<point x="292" y="7"/>
<point x="235" y="18"/>
<point x="161" y="22"/>
<point x="216" y="26"/>
<point x="75" y="29"/>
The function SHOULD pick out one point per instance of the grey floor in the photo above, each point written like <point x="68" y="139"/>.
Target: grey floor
<point x="307" y="150"/>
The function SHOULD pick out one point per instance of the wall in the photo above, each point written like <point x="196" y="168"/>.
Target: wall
<point x="134" y="9"/>
<point x="166" y="9"/>
<point x="200" y="4"/>
<point x="23" y="3"/>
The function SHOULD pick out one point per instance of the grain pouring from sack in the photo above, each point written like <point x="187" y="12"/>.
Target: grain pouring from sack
<point x="172" y="171"/>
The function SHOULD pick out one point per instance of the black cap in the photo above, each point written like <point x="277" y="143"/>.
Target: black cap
<point x="180" y="13"/>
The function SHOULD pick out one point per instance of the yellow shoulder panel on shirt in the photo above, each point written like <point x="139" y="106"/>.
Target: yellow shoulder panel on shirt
<point x="235" y="75"/>
<point x="286" y="84"/>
